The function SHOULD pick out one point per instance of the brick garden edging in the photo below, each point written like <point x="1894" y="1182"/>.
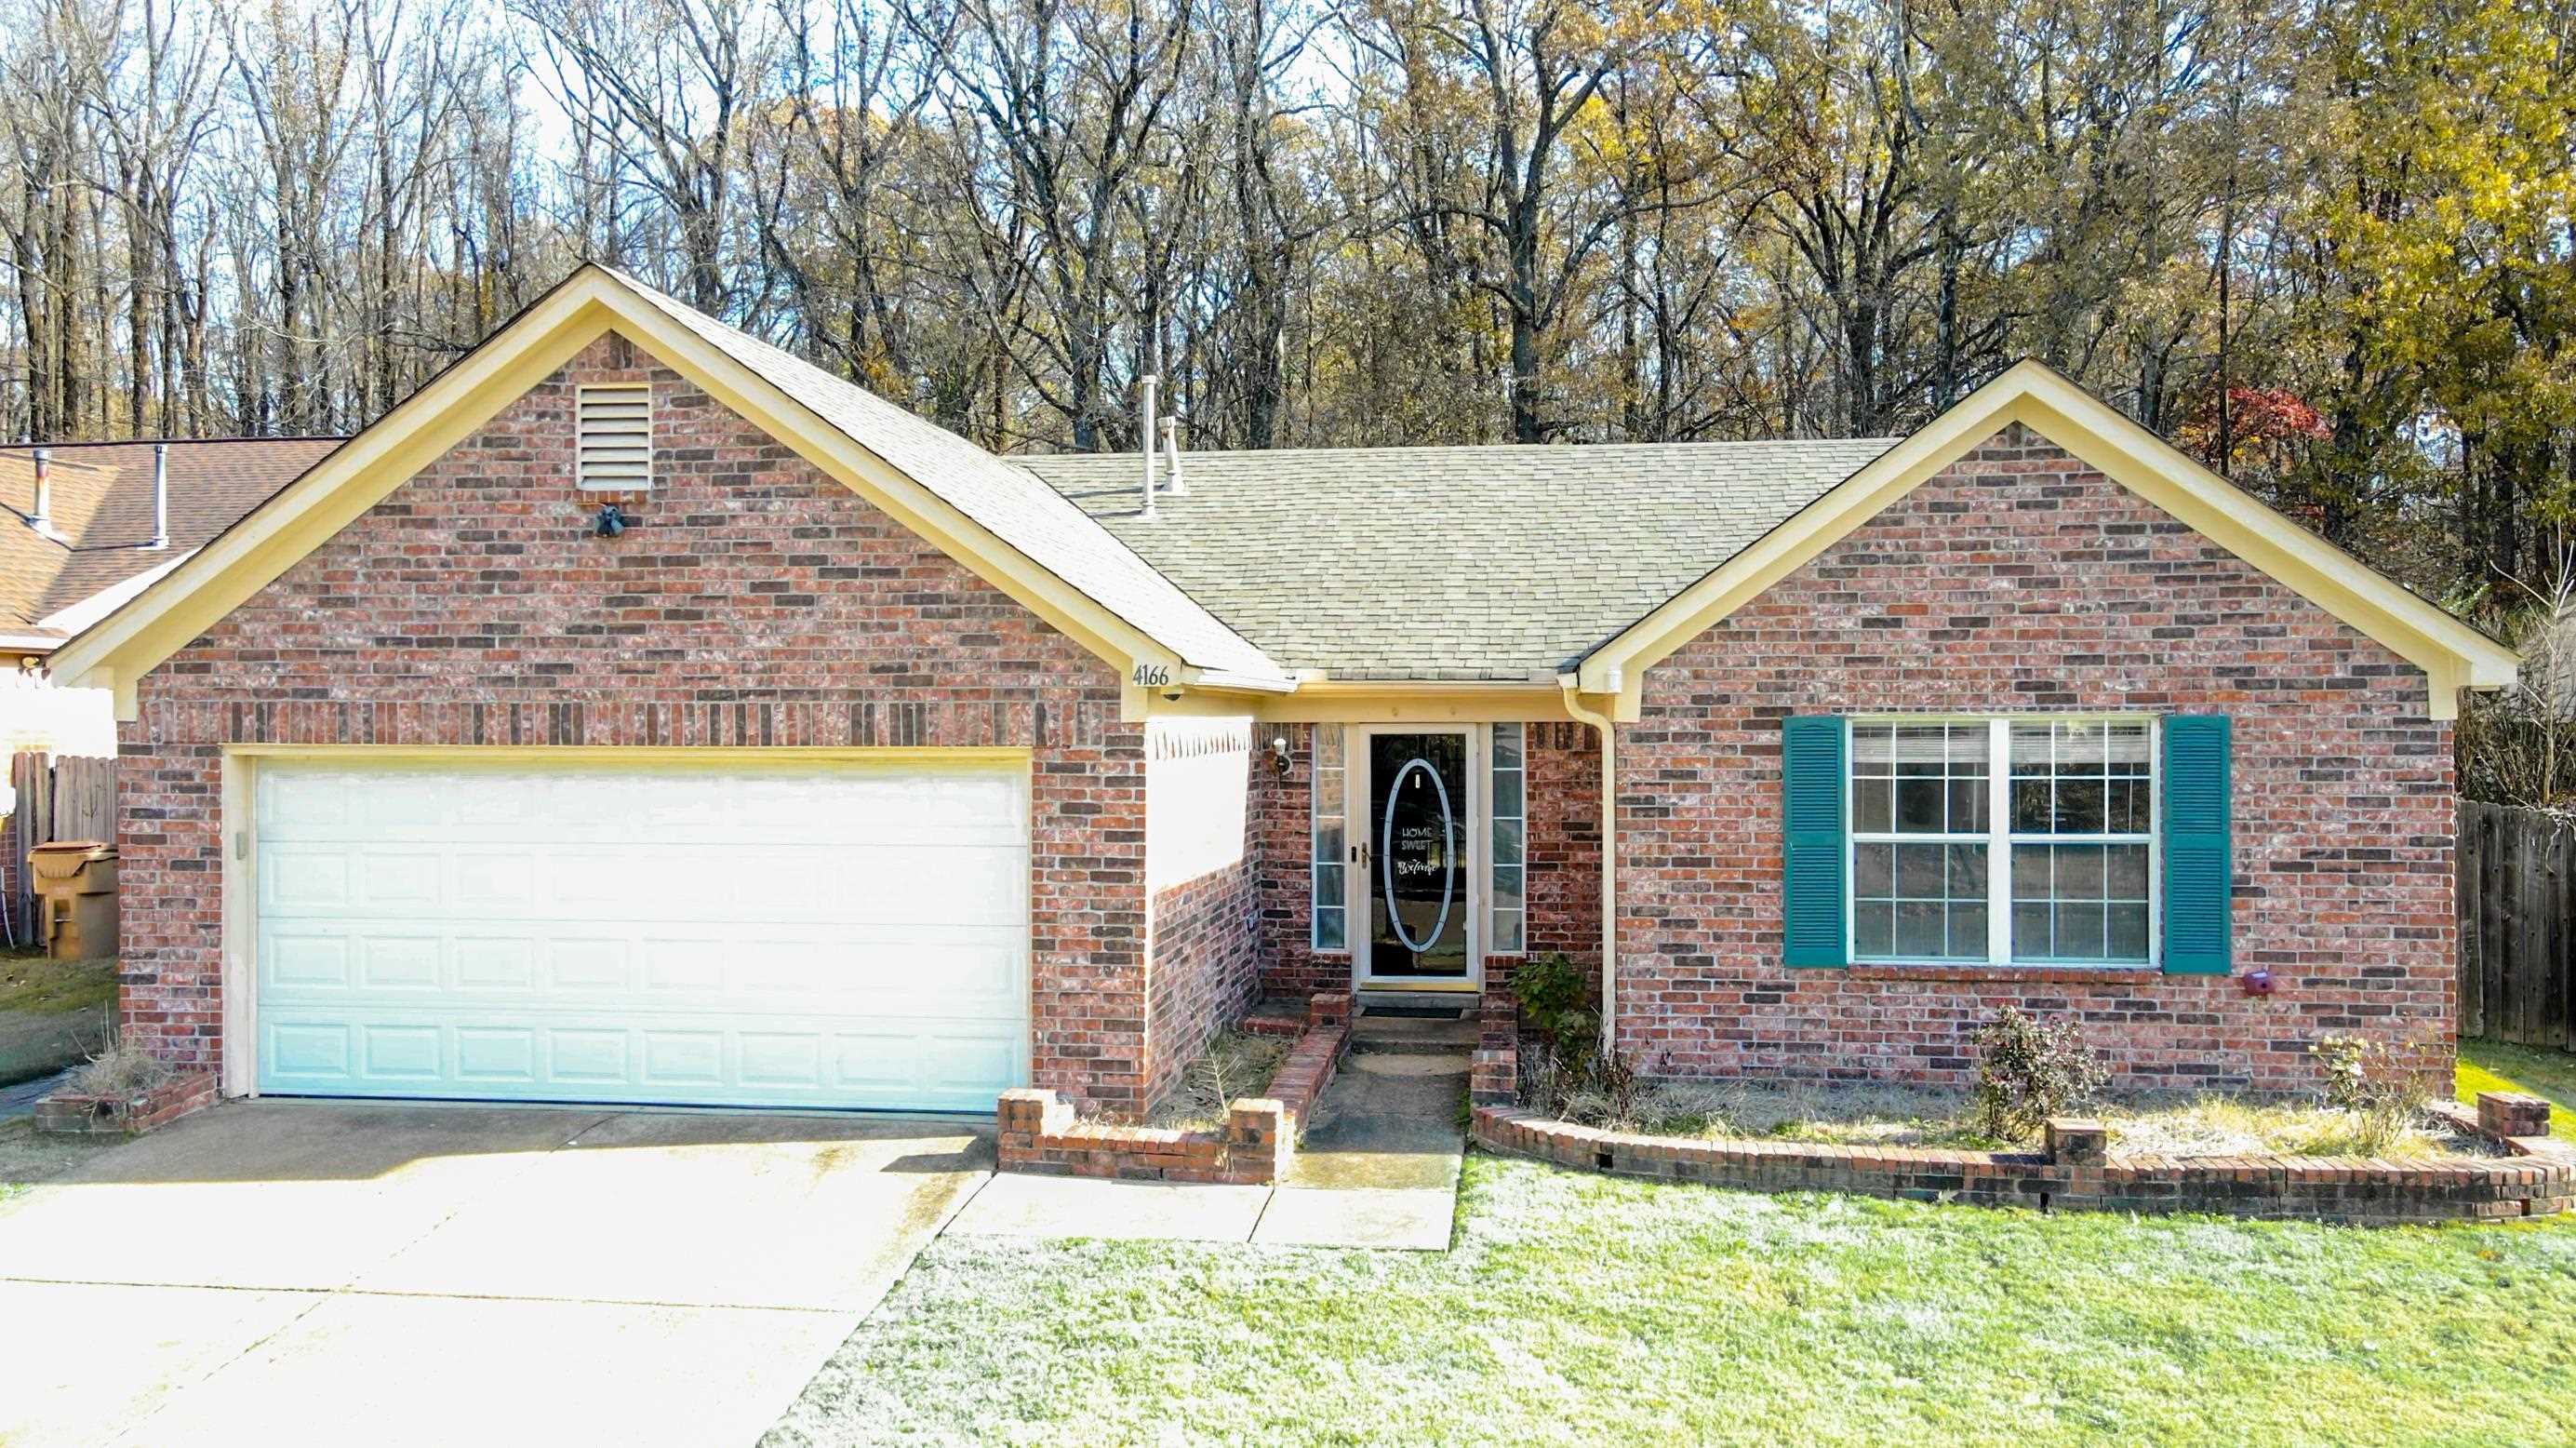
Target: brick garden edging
<point x="2076" y="1171"/>
<point x="71" y="1113"/>
<point x="1040" y="1133"/>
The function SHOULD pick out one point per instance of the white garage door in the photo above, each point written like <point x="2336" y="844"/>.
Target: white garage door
<point x="842" y="934"/>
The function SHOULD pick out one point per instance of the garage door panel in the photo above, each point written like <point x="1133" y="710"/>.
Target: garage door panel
<point x="934" y="1065"/>
<point x="841" y="936"/>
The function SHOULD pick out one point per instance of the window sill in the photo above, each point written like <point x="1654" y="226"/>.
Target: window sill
<point x="2018" y="974"/>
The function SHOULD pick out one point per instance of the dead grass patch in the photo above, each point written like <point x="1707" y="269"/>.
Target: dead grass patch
<point x="1235" y="1063"/>
<point x="2208" y="1124"/>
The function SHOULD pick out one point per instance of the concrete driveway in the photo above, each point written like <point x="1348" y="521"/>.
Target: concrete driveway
<point x="283" y="1273"/>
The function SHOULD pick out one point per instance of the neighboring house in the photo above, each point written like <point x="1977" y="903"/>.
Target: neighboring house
<point x="866" y="768"/>
<point x="84" y="526"/>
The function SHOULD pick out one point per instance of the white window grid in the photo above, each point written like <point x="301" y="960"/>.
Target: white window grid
<point x="1330" y="927"/>
<point x="1508" y="855"/>
<point x="1999" y="837"/>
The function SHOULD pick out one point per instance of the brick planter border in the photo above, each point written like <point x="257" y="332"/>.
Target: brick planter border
<point x="71" y="1113"/>
<point x="2075" y="1172"/>
<point x="1040" y="1133"/>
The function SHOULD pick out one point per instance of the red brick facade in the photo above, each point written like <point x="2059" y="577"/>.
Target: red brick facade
<point x="1563" y="853"/>
<point x="2019" y="580"/>
<point x="756" y="603"/>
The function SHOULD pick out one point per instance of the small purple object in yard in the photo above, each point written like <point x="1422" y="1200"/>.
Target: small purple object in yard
<point x="2257" y="982"/>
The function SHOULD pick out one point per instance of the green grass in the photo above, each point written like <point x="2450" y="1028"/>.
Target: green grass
<point x="1578" y="1308"/>
<point x="2494" y="1066"/>
<point x="34" y="984"/>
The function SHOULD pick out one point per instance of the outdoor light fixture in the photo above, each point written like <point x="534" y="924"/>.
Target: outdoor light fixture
<point x="1279" y="754"/>
<point x="611" y="522"/>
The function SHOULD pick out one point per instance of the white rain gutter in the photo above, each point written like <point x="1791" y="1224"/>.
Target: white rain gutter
<point x="1609" y="860"/>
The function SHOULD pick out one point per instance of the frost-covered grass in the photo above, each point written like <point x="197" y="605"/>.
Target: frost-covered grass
<point x="1579" y="1308"/>
<point x="1866" y="1115"/>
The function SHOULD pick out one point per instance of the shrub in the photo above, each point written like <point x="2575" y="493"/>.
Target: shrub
<point x="124" y="1070"/>
<point x="2373" y="1088"/>
<point x="2028" y="1071"/>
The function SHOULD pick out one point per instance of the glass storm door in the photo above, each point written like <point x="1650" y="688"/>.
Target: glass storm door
<point x="1418" y="854"/>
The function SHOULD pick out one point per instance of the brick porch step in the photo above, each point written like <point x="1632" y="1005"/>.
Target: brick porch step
<point x="1411" y="1034"/>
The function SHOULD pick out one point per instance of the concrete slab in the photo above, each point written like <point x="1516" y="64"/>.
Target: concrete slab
<point x="1389" y="1121"/>
<point x="671" y="1278"/>
<point x="273" y="1194"/>
<point x="1412" y="1219"/>
<point x="81" y="1362"/>
<point x="436" y="1372"/>
<point x="809" y="1212"/>
<point x="1013" y="1205"/>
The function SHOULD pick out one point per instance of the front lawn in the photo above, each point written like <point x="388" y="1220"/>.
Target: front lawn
<point x="1585" y="1309"/>
<point x="2495" y="1066"/>
<point x="52" y="1012"/>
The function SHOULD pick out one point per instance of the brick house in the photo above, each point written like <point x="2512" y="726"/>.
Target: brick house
<point x="639" y="713"/>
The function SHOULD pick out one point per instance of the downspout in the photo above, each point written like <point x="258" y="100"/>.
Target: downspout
<point x="1609" y="860"/>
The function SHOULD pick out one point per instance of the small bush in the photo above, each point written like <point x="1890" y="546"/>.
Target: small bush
<point x="1557" y="1002"/>
<point x="2360" y="1074"/>
<point x="123" y="1070"/>
<point x="2028" y="1071"/>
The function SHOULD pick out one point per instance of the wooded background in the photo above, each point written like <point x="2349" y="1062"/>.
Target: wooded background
<point x="2325" y="244"/>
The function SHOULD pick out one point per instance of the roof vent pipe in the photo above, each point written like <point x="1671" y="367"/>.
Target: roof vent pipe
<point x="1146" y="438"/>
<point x="1172" y="456"/>
<point x="160" y="495"/>
<point x="42" y="515"/>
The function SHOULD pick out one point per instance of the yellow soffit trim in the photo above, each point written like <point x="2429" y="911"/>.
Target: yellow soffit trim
<point x="2450" y="653"/>
<point x="367" y="469"/>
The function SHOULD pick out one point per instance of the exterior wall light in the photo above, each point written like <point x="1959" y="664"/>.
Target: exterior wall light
<point x="612" y="520"/>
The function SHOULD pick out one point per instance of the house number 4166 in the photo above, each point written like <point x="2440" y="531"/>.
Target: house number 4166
<point x="1152" y="676"/>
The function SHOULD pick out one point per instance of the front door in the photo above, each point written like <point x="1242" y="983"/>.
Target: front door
<point x="1418" y="849"/>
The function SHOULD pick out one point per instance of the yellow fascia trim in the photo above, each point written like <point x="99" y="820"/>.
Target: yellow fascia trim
<point x="728" y="756"/>
<point x="364" y="471"/>
<point x="1324" y="701"/>
<point x="2451" y="653"/>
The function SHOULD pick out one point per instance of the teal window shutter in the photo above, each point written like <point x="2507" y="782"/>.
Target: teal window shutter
<point x="2196" y="844"/>
<point x="1812" y="781"/>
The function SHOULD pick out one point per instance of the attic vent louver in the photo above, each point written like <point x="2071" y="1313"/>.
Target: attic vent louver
<point x="615" y="424"/>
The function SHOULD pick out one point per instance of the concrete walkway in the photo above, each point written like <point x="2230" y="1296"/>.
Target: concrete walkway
<point x="282" y="1273"/>
<point x="1378" y="1168"/>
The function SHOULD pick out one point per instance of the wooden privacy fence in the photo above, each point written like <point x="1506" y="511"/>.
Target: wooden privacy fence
<point x="60" y="797"/>
<point x="2517" y="924"/>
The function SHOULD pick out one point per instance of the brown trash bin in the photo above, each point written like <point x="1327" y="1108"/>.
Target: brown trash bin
<point x="75" y="884"/>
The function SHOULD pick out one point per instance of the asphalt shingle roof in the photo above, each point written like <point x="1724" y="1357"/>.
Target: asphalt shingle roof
<point x="1023" y="513"/>
<point x="102" y="506"/>
<point x="1451" y="562"/>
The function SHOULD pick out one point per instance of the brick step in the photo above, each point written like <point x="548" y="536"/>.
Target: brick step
<point x="1388" y="1034"/>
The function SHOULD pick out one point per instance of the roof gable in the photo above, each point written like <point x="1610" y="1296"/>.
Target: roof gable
<point x="2452" y="654"/>
<point x="994" y="519"/>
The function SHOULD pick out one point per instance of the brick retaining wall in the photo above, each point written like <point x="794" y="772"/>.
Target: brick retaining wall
<point x="2075" y="1172"/>
<point x="71" y="1113"/>
<point x="1039" y="1131"/>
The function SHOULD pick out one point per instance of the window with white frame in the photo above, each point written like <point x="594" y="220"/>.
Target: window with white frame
<point x="2026" y="840"/>
<point x="1510" y="836"/>
<point x="1332" y="913"/>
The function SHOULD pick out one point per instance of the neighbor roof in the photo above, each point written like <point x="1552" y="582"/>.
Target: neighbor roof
<point x="1465" y="563"/>
<point x="101" y="508"/>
